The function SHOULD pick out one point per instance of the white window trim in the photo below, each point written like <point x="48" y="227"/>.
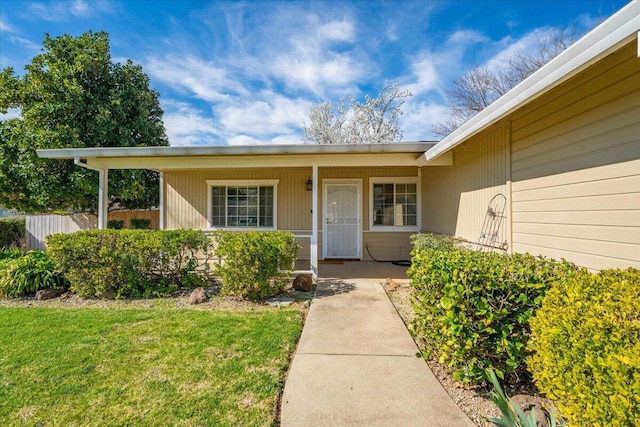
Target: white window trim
<point x="396" y="180"/>
<point x="239" y="183"/>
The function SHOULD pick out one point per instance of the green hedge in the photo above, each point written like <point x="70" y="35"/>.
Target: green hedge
<point x="12" y="232"/>
<point x="130" y="262"/>
<point x="27" y="274"/>
<point x="586" y="342"/>
<point x="472" y="308"/>
<point x="255" y="263"/>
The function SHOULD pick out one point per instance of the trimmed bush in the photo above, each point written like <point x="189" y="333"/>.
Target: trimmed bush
<point x="28" y="274"/>
<point x="130" y="262"/>
<point x="472" y="308"/>
<point x="255" y="263"/>
<point x="586" y="343"/>
<point x="115" y="224"/>
<point x="140" y="224"/>
<point x="12" y="232"/>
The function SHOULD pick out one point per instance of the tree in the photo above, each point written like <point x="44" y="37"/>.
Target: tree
<point x="481" y="85"/>
<point x="373" y="121"/>
<point x="71" y="96"/>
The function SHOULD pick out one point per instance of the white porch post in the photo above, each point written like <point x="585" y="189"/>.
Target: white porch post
<point x="103" y="198"/>
<point x="161" y="203"/>
<point x="314" y="222"/>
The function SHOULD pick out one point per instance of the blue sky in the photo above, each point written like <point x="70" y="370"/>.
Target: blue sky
<point x="249" y="72"/>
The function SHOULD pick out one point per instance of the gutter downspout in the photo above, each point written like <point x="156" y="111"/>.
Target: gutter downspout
<point x="103" y="192"/>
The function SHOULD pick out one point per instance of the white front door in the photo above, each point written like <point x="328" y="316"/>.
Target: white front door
<point x="341" y="219"/>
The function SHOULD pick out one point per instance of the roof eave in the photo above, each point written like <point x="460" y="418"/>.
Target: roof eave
<point x="613" y="33"/>
<point x="247" y="150"/>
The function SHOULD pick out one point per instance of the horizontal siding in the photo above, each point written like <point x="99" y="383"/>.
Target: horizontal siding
<point x="455" y="198"/>
<point x="576" y="168"/>
<point x="387" y="246"/>
<point x="186" y="202"/>
<point x="186" y="196"/>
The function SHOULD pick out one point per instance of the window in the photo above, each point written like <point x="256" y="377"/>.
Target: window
<point x="242" y="204"/>
<point x="394" y="203"/>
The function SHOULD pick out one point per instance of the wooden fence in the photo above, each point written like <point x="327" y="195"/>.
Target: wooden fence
<point x="38" y="227"/>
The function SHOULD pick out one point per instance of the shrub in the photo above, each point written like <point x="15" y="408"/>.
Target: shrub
<point x="586" y="342"/>
<point x="28" y="274"/>
<point x="12" y="253"/>
<point x="472" y="308"/>
<point x="140" y="224"/>
<point x="255" y="262"/>
<point x="115" y="224"/>
<point x="425" y="241"/>
<point x="130" y="262"/>
<point x="12" y="232"/>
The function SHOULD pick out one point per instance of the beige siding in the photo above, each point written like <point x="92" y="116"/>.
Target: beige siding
<point x="576" y="168"/>
<point x="387" y="246"/>
<point x="455" y="198"/>
<point x="186" y="202"/>
<point x="186" y="196"/>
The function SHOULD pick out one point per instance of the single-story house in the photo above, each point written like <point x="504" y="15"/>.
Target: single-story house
<point x="551" y="168"/>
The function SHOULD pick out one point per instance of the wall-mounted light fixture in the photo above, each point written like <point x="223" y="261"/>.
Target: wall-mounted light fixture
<point x="309" y="184"/>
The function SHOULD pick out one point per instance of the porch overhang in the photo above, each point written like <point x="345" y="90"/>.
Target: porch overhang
<point x="165" y="159"/>
<point x="258" y="156"/>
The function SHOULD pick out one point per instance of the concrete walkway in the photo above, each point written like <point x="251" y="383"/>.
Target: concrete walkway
<point x="356" y="365"/>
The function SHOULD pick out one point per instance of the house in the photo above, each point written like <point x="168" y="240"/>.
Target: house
<point x="551" y="168"/>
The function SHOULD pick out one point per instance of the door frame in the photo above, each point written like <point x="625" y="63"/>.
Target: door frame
<point x="325" y="235"/>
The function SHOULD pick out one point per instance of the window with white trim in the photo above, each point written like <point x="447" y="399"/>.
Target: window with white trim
<point x="394" y="203"/>
<point x="242" y="204"/>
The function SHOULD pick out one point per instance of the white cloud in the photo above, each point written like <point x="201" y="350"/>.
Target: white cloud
<point x="25" y="43"/>
<point x="424" y="75"/>
<point x="271" y="114"/>
<point x="6" y="28"/>
<point x="188" y="126"/>
<point x="80" y="8"/>
<point x="61" y="11"/>
<point x="418" y="117"/>
<point x="316" y="56"/>
<point x="201" y="78"/>
<point x="337" y="31"/>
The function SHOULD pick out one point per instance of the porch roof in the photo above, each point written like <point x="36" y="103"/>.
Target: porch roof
<point x="205" y="157"/>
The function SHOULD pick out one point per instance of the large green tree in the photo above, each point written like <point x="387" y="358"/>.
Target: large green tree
<point x="73" y="95"/>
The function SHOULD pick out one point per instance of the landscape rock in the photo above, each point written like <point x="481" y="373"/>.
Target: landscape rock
<point x="391" y="285"/>
<point x="303" y="282"/>
<point x="109" y="294"/>
<point x="50" y="293"/>
<point x="198" y="296"/>
<point x="280" y="302"/>
<point x="528" y="403"/>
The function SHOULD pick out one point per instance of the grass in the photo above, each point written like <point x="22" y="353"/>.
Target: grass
<point x="143" y="367"/>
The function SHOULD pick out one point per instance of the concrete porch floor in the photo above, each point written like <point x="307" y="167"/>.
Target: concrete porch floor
<point x="361" y="270"/>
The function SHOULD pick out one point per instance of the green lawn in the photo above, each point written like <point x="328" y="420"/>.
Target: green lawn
<point x="159" y="366"/>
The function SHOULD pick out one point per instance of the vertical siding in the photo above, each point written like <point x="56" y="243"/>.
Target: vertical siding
<point x="38" y="227"/>
<point x="455" y="198"/>
<point x="576" y="167"/>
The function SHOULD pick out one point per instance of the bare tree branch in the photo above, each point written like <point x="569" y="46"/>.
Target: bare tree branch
<point x="480" y="86"/>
